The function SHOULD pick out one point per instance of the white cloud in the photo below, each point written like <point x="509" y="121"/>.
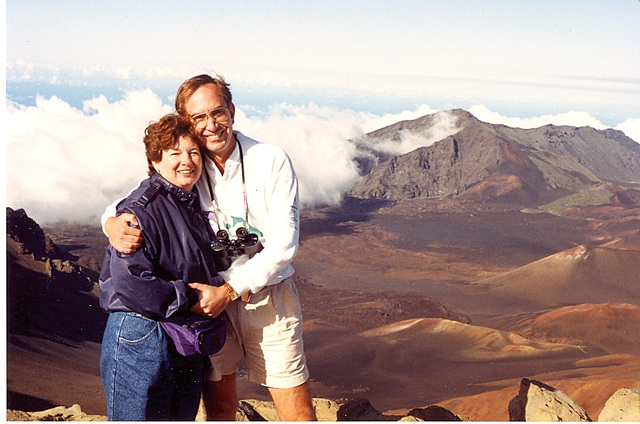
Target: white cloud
<point x="65" y="163"/>
<point x="631" y="127"/>
<point x="443" y="126"/>
<point x="371" y="122"/>
<point x="123" y="72"/>
<point x="573" y="118"/>
<point x="68" y="164"/>
<point x="316" y="140"/>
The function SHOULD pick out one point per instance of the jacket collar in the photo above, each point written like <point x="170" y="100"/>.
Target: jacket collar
<point x="181" y="194"/>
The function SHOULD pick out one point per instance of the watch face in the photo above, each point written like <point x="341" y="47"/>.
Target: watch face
<point x="232" y="293"/>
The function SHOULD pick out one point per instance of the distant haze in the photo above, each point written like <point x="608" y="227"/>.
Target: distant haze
<point x="544" y="56"/>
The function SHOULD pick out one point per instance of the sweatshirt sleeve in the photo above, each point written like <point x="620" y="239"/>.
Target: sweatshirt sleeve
<point x="281" y="232"/>
<point x="139" y="287"/>
<point x="111" y="210"/>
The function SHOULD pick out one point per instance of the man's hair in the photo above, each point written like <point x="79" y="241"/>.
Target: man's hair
<point x="190" y="86"/>
<point x="164" y="135"/>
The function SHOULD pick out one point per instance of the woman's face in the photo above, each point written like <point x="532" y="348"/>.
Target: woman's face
<point x="182" y="164"/>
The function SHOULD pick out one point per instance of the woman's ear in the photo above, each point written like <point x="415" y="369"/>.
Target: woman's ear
<point x="155" y="166"/>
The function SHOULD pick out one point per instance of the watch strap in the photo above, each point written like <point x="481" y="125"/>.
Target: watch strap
<point x="233" y="295"/>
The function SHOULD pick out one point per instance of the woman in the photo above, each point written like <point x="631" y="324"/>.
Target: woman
<point x="144" y="377"/>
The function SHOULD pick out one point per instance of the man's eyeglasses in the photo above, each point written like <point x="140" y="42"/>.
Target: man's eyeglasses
<point x="218" y="115"/>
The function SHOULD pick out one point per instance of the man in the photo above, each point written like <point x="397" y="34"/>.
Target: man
<point x="253" y="185"/>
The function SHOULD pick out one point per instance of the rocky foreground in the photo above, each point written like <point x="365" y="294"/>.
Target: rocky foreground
<point x="536" y="401"/>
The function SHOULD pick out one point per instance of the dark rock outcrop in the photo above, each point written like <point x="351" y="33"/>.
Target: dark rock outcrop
<point x="358" y="410"/>
<point x="434" y="413"/>
<point x="28" y="234"/>
<point x="44" y="286"/>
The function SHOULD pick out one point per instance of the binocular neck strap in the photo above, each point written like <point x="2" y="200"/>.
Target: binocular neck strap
<point x="244" y="184"/>
<point x="244" y="188"/>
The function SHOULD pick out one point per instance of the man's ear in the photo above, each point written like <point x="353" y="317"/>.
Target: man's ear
<point x="232" y="111"/>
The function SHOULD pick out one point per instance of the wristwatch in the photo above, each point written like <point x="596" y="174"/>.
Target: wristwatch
<point x="233" y="295"/>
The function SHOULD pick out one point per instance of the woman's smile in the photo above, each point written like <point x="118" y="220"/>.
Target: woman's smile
<point x="182" y="164"/>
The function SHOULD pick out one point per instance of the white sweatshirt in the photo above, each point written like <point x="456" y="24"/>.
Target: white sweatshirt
<point x="272" y="195"/>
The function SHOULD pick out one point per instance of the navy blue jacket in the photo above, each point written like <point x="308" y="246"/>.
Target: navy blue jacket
<point x="153" y="280"/>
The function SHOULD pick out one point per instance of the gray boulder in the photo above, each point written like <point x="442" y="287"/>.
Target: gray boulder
<point x="623" y="406"/>
<point x="540" y="402"/>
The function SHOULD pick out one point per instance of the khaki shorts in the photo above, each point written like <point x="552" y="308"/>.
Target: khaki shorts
<point x="267" y="333"/>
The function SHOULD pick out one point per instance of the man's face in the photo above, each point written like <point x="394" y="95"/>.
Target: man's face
<point x="212" y="118"/>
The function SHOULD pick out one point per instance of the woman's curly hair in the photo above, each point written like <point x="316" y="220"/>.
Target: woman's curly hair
<point x="164" y="135"/>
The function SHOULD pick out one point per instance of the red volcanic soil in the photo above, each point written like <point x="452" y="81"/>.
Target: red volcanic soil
<point x="583" y="274"/>
<point x="613" y="327"/>
<point x="477" y="264"/>
<point x="495" y="268"/>
<point x="501" y="187"/>
<point x="405" y="305"/>
<point x="429" y="360"/>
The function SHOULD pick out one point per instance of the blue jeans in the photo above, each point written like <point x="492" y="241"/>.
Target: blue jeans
<point x="144" y="377"/>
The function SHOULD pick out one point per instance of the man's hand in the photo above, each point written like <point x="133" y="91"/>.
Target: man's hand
<point x="122" y="235"/>
<point x="212" y="301"/>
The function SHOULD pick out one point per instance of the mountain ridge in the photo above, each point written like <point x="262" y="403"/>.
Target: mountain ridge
<point x="489" y="162"/>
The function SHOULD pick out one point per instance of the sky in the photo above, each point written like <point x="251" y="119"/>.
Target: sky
<point x="83" y="80"/>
